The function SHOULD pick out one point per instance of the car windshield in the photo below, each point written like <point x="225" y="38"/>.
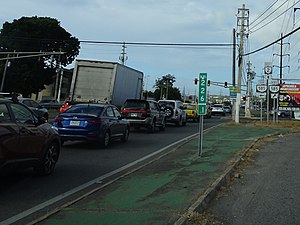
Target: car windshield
<point x="135" y="105"/>
<point x="85" y="109"/>
<point x="164" y="104"/>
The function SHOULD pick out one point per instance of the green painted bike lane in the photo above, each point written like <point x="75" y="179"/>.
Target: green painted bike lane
<point x="160" y="192"/>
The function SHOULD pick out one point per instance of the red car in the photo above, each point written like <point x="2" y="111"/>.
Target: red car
<point x="26" y="139"/>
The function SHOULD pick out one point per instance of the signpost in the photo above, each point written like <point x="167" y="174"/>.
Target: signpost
<point x="202" y="107"/>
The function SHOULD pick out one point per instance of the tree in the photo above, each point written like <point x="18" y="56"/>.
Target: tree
<point x="35" y="34"/>
<point x="164" y="88"/>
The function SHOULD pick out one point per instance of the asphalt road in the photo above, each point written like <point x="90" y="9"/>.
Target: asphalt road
<point x="268" y="192"/>
<point x="81" y="163"/>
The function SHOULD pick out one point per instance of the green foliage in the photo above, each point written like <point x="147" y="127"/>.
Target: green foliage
<point x="35" y="34"/>
<point x="164" y="88"/>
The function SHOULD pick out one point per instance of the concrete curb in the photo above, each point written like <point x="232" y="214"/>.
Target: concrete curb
<point x="202" y="202"/>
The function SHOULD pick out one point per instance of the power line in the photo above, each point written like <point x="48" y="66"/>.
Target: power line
<point x="274" y="18"/>
<point x="263" y="12"/>
<point x="274" y="42"/>
<point x="159" y="44"/>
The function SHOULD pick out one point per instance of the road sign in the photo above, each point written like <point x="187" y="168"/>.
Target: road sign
<point x="268" y="68"/>
<point x="274" y="95"/>
<point x="202" y="88"/>
<point x="261" y="88"/>
<point x="274" y="88"/>
<point x="201" y="109"/>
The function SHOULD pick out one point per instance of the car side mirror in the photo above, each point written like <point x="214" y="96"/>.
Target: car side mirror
<point x="42" y="120"/>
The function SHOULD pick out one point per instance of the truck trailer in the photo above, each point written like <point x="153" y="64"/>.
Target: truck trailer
<point x="101" y="81"/>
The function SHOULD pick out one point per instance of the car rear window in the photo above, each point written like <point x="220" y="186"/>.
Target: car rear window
<point x="136" y="105"/>
<point x="85" y="109"/>
<point x="166" y="104"/>
<point x="190" y="107"/>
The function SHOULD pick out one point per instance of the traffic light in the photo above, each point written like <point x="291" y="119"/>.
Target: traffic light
<point x="208" y="82"/>
<point x="225" y="84"/>
<point x="196" y="81"/>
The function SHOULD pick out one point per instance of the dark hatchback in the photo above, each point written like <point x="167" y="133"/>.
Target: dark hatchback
<point x="144" y="113"/>
<point x="100" y="123"/>
<point x="26" y="140"/>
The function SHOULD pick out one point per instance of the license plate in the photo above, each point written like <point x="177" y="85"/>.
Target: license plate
<point x="134" y="114"/>
<point x="74" y="123"/>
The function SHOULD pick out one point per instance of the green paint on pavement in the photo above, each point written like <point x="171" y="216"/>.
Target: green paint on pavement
<point x="159" y="192"/>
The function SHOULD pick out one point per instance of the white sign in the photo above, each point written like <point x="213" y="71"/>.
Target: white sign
<point x="261" y="88"/>
<point x="274" y="88"/>
<point x="262" y="95"/>
<point x="274" y="95"/>
<point x="262" y="82"/>
<point x="268" y="68"/>
<point x="274" y="82"/>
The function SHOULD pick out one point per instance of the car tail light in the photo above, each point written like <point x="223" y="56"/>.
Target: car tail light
<point x="146" y="113"/>
<point x="58" y="119"/>
<point x="176" y="112"/>
<point x="96" y="121"/>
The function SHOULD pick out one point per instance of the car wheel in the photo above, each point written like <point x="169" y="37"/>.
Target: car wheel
<point x="151" y="127"/>
<point x="169" y="112"/>
<point x="106" y="139"/>
<point x="184" y="123"/>
<point x="163" y="125"/>
<point x="179" y="123"/>
<point x="49" y="160"/>
<point x="125" y="136"/>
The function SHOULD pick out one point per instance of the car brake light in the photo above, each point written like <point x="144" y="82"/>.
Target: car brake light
<point x="146" y="113"/>
<point x="58" y="119"/>
<point x="97" y="121"/>
<point x="176" y="113"/>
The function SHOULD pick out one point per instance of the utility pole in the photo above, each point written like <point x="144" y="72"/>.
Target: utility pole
<point x="250" y="76"/>
<point x="242" y="22"/>
<point x="123" y="56"/>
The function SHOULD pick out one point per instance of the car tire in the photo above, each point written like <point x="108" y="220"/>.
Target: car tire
<point x="49" y="160"/>
<point x="163" y="125"/>
<point x="125" y="136"/>
<point x="105" y="140"/>
<point x="184" y="123"/>
<point x="169" y="112"/>
<point x="151" y="127"/>
<point x="179" y="122"/>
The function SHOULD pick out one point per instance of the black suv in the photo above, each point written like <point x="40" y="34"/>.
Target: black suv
<point x="144" y="113"/>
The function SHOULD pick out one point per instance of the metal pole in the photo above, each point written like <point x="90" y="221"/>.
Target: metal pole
<point x="4" y="74"/>
<point x="268" y="100"/>
<point x="261" y="110"/>
<point x="200" y="143"/>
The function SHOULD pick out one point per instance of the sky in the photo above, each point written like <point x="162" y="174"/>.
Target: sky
<point x="174" y="21"/>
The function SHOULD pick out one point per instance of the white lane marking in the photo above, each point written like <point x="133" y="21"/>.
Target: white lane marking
<point x="51" y="201"/>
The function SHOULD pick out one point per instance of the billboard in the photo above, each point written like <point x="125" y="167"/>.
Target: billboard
<point x="289" y="97"/>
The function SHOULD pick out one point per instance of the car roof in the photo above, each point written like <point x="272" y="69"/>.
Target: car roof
<point x="4" y="100"/>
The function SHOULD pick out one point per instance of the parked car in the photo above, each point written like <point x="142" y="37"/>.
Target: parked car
<point x="35" y="106"/>
<point x="144" y="113"/>
<point x="94" y="122"/>
<point x="218" y="109"/>
<point x="174" y="111"/>
<point x="50" y="104"/>
<point x="26" y="139"/>
<point x="283" y="113"/>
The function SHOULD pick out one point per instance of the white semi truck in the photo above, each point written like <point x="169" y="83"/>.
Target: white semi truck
<point x="102" y="81"/>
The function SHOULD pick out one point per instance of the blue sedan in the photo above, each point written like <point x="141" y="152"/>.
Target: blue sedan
<point x="100" y="123"/>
